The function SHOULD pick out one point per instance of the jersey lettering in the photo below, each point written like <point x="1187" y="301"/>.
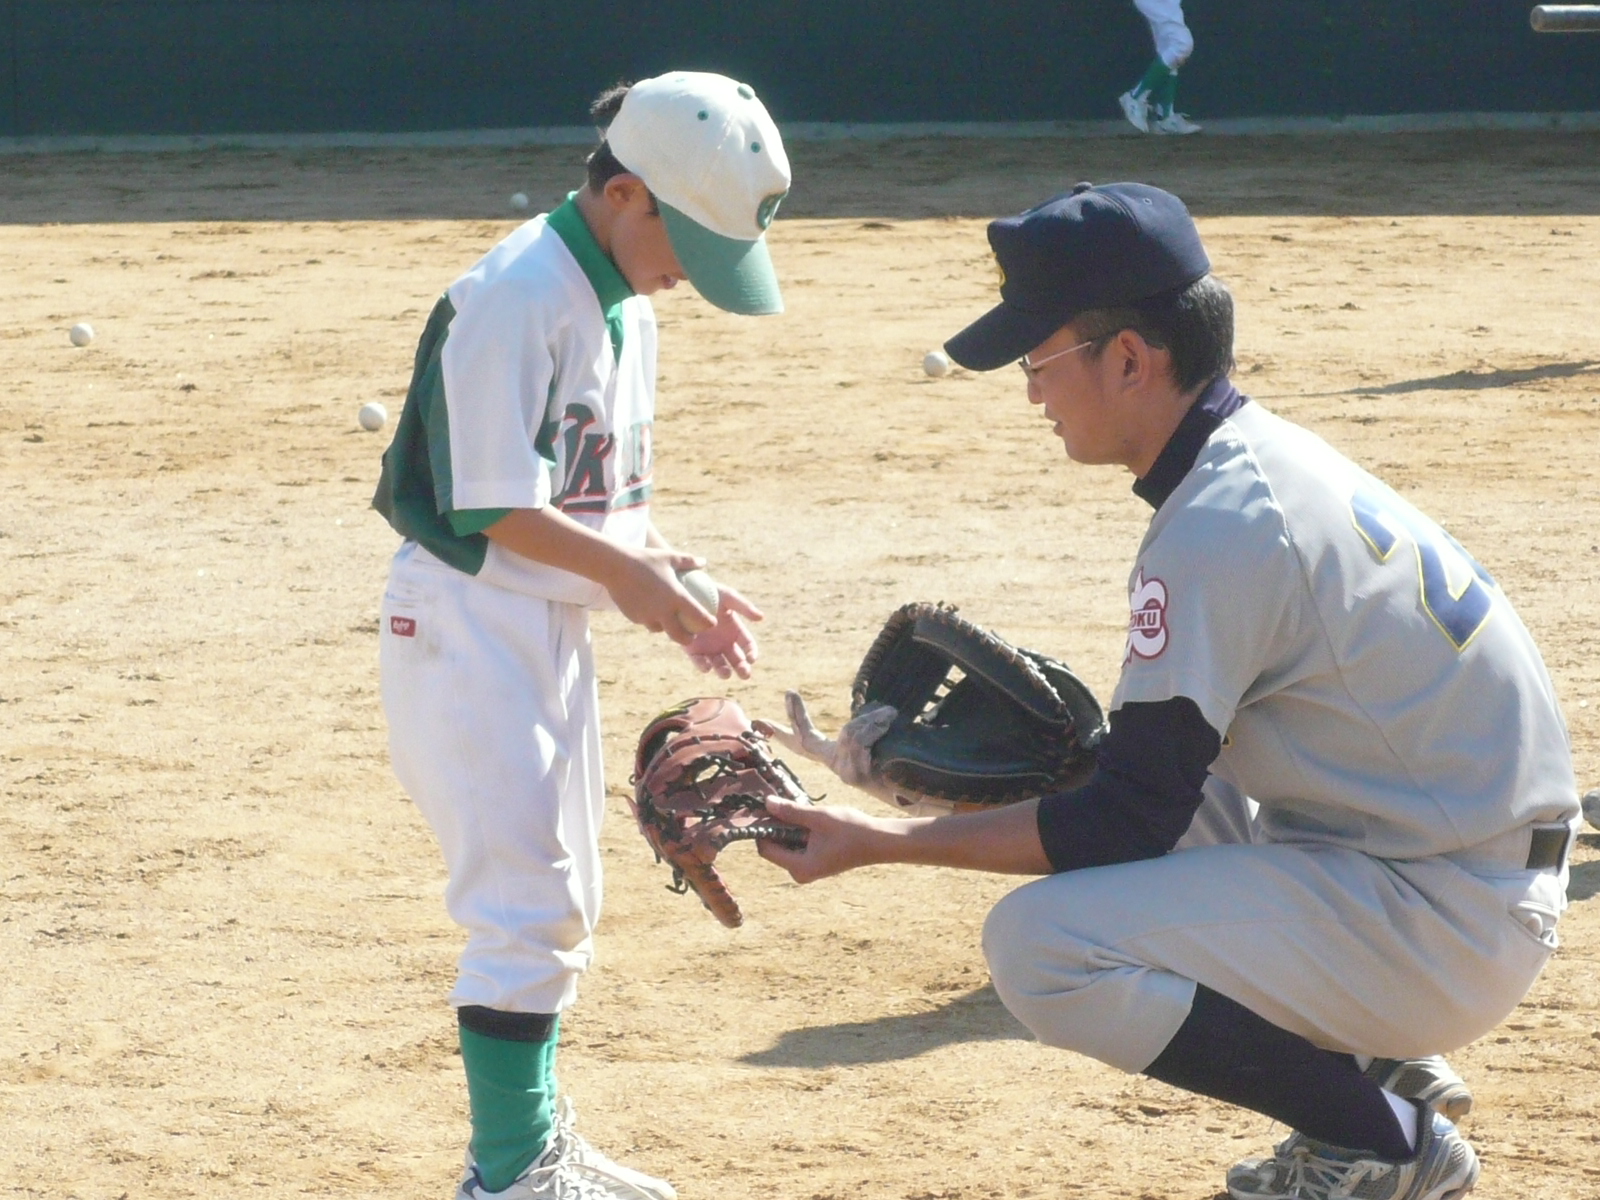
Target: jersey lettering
<point x="587" y="454"/>
<point x="583" y="488"/>
<point x="635" y="462"/>
<point x="1456" y="592"/>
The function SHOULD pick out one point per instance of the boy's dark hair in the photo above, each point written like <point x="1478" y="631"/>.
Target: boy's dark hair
<point x="601" y="164"/>
<point x="1194" y="323"/>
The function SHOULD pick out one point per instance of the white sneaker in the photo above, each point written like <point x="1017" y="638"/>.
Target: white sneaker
<point x="1443" y="1168"/>
<point x="554" y="1181"/>
<point x="1173" y="123"/>
<point x="1136" y="109"/>
<point x="568" y="1145"/>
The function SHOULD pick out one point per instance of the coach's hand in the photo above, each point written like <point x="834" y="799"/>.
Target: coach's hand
<point x="838" y="839"/>
<point x="728" y="647"/>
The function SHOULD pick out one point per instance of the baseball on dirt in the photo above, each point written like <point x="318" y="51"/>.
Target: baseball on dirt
<point x="936" y="363"/>
<point x="703" y="588"/>
<point x="372" y="416"/>
<point x="81" y="334"/>
<point x="1591" y="809"/>
<point x="519" y="200"/>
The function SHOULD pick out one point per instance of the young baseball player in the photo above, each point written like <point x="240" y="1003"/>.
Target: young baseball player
<point x="1299" y="634"/>
<point x="1151" y="105"/>
<point x="520" y="479"/>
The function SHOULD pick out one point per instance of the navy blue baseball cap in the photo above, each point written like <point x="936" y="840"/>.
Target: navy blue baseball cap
<point x="1092" y="247"/>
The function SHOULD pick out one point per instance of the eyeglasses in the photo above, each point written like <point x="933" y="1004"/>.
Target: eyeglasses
<point x="1031" y="368"/>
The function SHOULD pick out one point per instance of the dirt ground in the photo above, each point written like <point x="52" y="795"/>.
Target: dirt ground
<point x="223" y="950"/>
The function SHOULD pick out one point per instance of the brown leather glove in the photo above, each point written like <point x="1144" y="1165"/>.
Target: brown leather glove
<point x="701" y="778"/>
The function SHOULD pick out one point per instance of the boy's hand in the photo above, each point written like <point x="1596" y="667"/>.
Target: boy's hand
<point x="647" y="591"/>
<point x="850" y="756"/>
<point x="728" y="647"/>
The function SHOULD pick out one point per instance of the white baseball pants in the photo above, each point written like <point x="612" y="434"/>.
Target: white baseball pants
<point x="1174" y="42"/>
<point x="1356" y="954"/>
<point x="494" y="731"/>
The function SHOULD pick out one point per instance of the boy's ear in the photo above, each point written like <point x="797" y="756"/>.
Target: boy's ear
<point x="622" y="190"/>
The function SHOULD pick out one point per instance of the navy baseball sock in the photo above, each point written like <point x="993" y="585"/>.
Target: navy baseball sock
<point x="1225" y="1051"/>
<point x="507" y="1057"/>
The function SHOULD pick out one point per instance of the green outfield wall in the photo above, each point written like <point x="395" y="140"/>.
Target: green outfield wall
<point x="99" y="67"/>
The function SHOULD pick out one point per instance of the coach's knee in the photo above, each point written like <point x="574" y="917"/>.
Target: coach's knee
<point x="1031" y="966"/>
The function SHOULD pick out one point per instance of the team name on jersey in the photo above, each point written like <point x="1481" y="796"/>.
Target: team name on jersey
<point x="590" y="455"/>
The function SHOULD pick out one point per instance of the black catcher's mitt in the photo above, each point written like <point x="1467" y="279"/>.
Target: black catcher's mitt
<point x="979" y="721"/>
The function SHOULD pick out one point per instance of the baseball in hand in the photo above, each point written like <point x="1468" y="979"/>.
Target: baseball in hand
<point x="936" y="363"/>
<point x="703" y="588"/>
<point x="519" y="200"/>
<point x="372" y="416"/>
<point x="82" y="333"/>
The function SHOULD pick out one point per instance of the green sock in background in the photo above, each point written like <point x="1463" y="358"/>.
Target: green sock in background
<point x="1164" y="97"/>
<point x="1157" y="76"/>
<point x="511" y="1086"/>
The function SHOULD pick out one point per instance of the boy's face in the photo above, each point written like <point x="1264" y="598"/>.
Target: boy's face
<point x="639" y="244"/>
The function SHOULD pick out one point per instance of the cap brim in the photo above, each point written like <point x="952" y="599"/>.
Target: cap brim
<point x="1000" y="337"/>
<point x="732" y="274"/>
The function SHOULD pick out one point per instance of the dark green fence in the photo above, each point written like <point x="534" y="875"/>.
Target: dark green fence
<point x="261" y="66"/>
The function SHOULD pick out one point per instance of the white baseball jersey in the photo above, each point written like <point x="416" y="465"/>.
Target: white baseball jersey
<point x="535" y="386"/>
<point x="1374" y="687"/>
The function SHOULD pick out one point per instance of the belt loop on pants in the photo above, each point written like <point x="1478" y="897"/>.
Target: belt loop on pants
<point x="1537" y="846"/>
<point x="1548" y="846"/>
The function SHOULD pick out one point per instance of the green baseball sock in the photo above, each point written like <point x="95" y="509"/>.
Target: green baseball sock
<point x="1164" y="98"/>
<point x="510" y="1086"/>
<point x="550" y="1086"/>
<point x="1156" y="77"/>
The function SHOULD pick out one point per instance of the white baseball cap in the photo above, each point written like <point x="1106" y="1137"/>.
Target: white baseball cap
<point x="711" y="156"/>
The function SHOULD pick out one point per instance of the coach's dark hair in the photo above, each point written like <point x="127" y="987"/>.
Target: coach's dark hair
<point x="602" y="165"/>
<point x="1194" y="323"/>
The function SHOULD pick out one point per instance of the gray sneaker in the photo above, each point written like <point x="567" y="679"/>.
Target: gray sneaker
<point x="1443" y="1168"/>
<point x="1428" y="1080"/>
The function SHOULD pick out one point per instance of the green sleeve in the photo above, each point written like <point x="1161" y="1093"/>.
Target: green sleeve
<point x="465" y="521"/>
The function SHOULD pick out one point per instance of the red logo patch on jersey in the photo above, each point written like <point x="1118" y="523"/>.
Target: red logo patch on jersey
<point x="402" y="627"/>
<point x="1147" y="618"/>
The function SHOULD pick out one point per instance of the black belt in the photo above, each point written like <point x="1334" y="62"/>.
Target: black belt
<point x="1548" y="846"/>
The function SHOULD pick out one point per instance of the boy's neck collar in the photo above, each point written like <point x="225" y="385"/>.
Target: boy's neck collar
<point x="610" y="288"/>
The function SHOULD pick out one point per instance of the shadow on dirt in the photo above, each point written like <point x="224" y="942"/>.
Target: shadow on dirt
<point x="1473" y="381"/>
<point x="1585" y="881"/>
<point x="977" y="1016"/>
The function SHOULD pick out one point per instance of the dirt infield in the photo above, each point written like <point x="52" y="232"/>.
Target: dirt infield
<point x="223" y="951"/>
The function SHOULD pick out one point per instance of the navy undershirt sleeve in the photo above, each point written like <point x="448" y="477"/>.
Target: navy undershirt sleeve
<point x="1143" y="794"/>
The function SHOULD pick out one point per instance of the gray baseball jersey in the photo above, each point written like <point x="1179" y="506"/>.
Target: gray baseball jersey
<point x="1373" y="686"/>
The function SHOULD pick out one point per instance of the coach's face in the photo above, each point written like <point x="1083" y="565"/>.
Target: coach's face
<point x="1107" y="401"/>
<point x="1067" y="379"/>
